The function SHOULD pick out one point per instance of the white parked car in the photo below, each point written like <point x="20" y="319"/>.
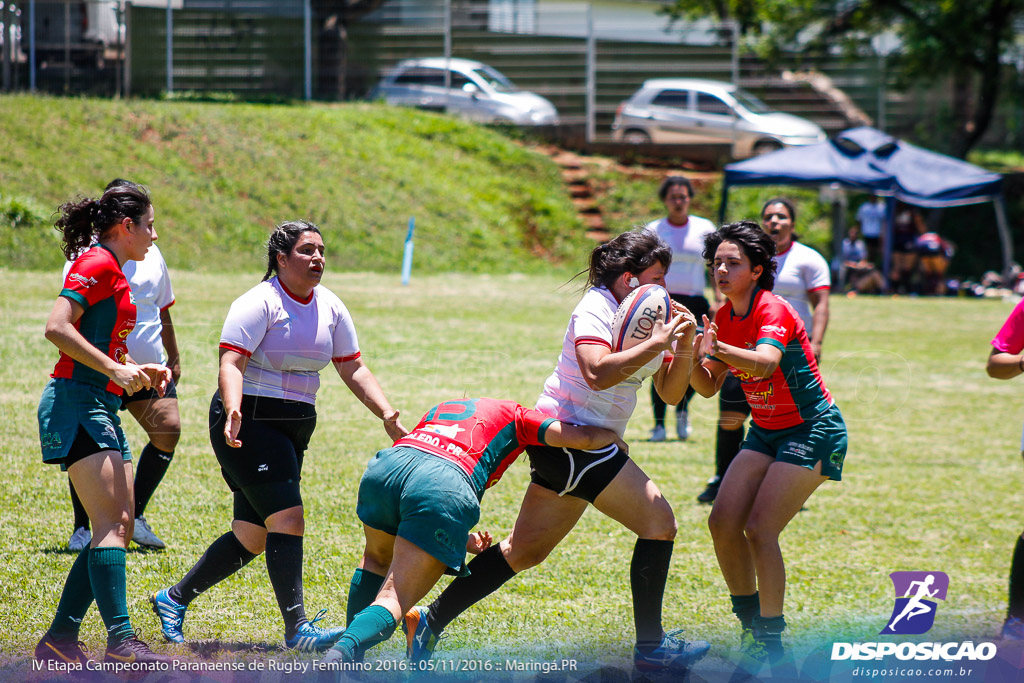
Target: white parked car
<point x="476" y="91"/>
<point x="696" y="111"/>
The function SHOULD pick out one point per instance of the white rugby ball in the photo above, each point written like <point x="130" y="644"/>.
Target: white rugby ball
<point x="634" y="321"/>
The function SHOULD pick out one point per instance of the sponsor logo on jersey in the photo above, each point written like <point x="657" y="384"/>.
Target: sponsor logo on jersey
<point x="777" y="329"/>
<point x="86" y="282"/>
<point x="451" y="431"/>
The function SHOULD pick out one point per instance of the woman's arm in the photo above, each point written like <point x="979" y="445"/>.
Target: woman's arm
<point x="229" y="382"/>
<point x="1004" y="365"/>
<point x="581" y="437"/>
<point x="818" y="299"/>
<point x="603" y="369"/>
<point x="363" y="385"/>
<point x="61" y="332"/>
<point x="759" y="362"/>
<point x="170" y="342"/>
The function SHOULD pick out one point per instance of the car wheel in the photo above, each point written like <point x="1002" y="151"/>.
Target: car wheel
<point x="636" y="137"/>
<point x="766" y="146"/>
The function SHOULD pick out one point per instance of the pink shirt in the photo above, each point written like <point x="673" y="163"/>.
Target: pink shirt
<point x="1011" y="335"/>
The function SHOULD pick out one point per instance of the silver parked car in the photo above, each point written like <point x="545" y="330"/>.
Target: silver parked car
<point x="695" y="111"/>
<point x="476" y="91"/>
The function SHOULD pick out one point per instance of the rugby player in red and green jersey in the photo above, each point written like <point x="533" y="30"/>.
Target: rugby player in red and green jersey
<point x="797" y="440"/>
<point x="420" y="499"/>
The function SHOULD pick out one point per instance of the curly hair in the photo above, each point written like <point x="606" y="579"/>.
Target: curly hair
<point x="755" y="243"/>
<point x="84" y="221"/>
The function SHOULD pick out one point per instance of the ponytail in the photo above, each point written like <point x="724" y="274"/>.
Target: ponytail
<point x="84" y="221"/>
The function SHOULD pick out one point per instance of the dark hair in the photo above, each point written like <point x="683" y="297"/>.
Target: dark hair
<point x="755" y="243"/>
<point x="283" y="240"/>
<point x="631" y="252"/>
<point x="82" y="221"/>
<point x="120" y="182"/>
<point x="673" y="181"/>
<point x="785" y="202"/>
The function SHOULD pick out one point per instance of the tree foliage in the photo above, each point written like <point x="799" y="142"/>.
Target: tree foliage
<point x="963" y="41"/>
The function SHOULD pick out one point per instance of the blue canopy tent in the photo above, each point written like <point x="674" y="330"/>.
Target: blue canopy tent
<point x="867" y="160"/>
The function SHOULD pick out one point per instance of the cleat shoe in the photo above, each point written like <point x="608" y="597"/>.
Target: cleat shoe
<point x="311" y="638"/>
<point x="683" y="428"/>
<point x="62" y="652"/>
<point x="170" y="614"/>
<point x="80" y="539"/>
<point x="709" y="494"/>
<point x="132" y="651"/>
<point x="1013" y="629"/>
<point x="658" y="433"/>
<point x="674" y="654"/>
<point x="144" y="536"/>
<point x="420" y="640"/>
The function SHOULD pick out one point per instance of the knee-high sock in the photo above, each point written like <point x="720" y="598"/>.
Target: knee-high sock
<point x="648" y="573"/>
<point x="373" y="625"/>
<point x="1016" y="606"/>
<point x="75" y="600"/>
<point x="488" y="572"/>
<point x="107" y="577"/>
<point x="284" y="565"/>
<point x="362" y="589"/>
<point x="685" y="403"/>
<point x="153" y="464"/>
<point x="224" y="557"/>
<point x="81" y="516"/>
<point x="659" y="407"/>
<point x="727" y="446"/>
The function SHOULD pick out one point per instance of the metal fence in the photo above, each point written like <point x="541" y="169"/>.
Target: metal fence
<point x="585" y="59"/>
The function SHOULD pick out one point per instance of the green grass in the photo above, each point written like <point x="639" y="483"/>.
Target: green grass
<point x="222" y="175"/>
<point x="931" y="474"/>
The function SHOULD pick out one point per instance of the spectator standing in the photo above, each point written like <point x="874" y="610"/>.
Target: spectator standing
<point x="871" y="218"/>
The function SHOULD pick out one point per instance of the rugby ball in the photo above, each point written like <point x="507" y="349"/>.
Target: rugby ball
<point x="634" y="321"/>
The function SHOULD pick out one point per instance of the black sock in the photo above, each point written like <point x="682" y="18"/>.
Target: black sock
<point x="81" y="517"/>
<point x="647" y="575"/>
<point x="746" y="607"/>
<point x="284" y="565"/>
<point x="224" y="557"/>
<point x="659" y="407"/>
<point x="727" y="446"/>
<point x="489" y="571"/>
<point x="685" y="403"/>
<point x="153" y="464"/>
<point x="1016" y="607"/>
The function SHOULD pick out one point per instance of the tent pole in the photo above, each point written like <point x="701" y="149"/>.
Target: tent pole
<point x="1005" y="239"/>
<point x="724" y="202"/>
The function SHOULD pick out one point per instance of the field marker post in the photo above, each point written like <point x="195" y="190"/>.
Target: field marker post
<point x="407" y="258"/>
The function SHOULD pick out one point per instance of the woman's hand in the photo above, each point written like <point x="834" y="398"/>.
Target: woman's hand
<point x="159" y="377"/>
<point x="232" y="424"/>
<point x="667" y="334"/>
<point x="478" y="542"/>
<point x="393" y="427"/>
<point x="689" y="326"/>
<point x="707" y="343"/>
<point x="131" y="378"/>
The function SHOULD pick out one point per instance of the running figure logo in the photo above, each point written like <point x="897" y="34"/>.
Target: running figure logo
<point x="916" y="595"/>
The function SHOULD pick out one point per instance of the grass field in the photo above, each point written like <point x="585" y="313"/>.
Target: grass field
<point x="931" y="482"/>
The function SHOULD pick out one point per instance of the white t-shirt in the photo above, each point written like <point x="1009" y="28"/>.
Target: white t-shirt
<point x="288" y="341"/>
<point x="688" y="272"/>
<point x="870" y="215"/>
<point x="566" y="396"/>
<point x="151" y="288"/>
<point x="801" y="270"/>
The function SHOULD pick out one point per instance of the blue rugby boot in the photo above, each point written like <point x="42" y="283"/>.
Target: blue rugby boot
<point x="420" y="640"/>
<point x="170" y="614"/>
<point x="312" y="638"/>
<point x="674" y="655"/>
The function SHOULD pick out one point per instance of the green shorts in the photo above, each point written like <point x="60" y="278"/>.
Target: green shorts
<point x="822" y="439"/>
<point x="423" y="498"/>
<point x="67" y="405"/>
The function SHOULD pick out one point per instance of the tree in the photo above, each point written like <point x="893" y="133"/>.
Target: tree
<point x="332" y="19"/>
<point x="965" y="41"/>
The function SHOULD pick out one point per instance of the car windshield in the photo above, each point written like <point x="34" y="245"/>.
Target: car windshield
<point x="495" y="79"/>
<point x="750" y="102"/>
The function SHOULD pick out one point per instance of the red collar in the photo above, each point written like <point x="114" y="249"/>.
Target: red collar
<point x="791" y="243"/>
<point x="295" y="296"/>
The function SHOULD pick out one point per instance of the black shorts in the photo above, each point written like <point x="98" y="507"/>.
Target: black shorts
<point x="698" y="305"/>
<point x="148" y="394"/>
<point x="731" y="398"/>
<point x="264" y="473"/>
<point x="567" y="471"/>
<point x="81" y="448"/>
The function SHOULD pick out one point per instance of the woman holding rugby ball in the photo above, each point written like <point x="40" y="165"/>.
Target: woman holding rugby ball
<point x="797" y="440"/>
<point x="592" y="385"/>
<point x="276" y="339"/>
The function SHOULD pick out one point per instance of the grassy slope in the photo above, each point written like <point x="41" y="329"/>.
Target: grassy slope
<point x="222" y="174"/>
<point x="932" y="463"/>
